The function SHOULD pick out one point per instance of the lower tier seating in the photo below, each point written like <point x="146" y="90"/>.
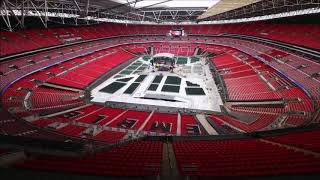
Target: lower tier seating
<point x="241" y="157"/>
<point x="141" y="158"/>
<point x="306" y="140"/>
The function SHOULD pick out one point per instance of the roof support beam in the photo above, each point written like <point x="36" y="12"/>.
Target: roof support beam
<point x="6" y="3"/>
<point x="77" y="5"/>
<point x="87" y="8"/>
<point x="43" y="20"/>
<point x="6" y="18"/>
<point x="119" y="6"/>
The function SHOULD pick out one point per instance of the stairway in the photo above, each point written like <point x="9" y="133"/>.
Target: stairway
<point x="151" y="50"/>
<point x="196" y="51"/>
<point x="169" y="166"/>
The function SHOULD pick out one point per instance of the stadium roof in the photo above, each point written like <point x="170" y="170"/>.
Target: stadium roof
<point x="170" y="3"/>
<point x="155" y="11"/>
<point x="225" y="6"/>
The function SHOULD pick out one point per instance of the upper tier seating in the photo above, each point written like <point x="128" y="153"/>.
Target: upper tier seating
<point x="15" y="42"/>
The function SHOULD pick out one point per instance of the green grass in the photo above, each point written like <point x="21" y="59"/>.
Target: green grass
<point x="118" y="76"/>
<point x="136" y="72"/>
<point x="167" y="88"/>
<point x="124" y="79"/>
<point x="195" y="91"/>
<point x="141" y="68"/>
<point x="153" y="87"/>
<point x="132" y="67"/>
<point x="126" y="72"/>
<point x="173" y="80"/>
<point x="194" y="59"/>
<point x="182" y="60"/>
<point x="113" y="87"/>
<point x="137" y="63"/>
<point x="157" y="79"/>
<point x="146" y="58"/>
<point x="140" y="78"/>
<point x="131" y="88"/>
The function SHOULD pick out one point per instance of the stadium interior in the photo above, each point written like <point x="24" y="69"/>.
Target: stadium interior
<point x="159" y="89"/>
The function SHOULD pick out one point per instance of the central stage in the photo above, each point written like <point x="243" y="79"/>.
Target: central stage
<point x="189" y="86"/>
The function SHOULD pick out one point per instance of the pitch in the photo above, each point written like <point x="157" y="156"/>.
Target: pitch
<point x="189" y="86"/>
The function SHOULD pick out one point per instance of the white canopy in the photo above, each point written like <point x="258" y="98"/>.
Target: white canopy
<point x="169" y="55"/>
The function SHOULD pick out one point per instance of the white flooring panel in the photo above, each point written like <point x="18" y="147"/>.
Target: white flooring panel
<point x="200" y="74"/>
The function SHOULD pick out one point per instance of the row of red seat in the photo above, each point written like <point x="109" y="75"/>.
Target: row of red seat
<point x="13" y="69"/>
<point x="290" y="64"/>
<point x="309" y="140"/>
<point x="14" y="42"/>
<point x="241" y="158"/>
<point x="26" y="96"/>
<point x="220" y="158"/>
<point x="245" y="157"/>
<point x="141" y="158"/>
<point x="77" y="54"/>
<point x="261" y="121"/>
<point x="123" y="120"/>
<point x="175" y="50"/>
<point x="268" y="86"/>
<point x="13" y="127"/>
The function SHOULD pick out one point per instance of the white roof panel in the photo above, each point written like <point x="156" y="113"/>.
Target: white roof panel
<point x="170" y="4"/>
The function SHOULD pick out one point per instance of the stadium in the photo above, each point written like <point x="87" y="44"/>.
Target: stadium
<point x="160" y="89"/>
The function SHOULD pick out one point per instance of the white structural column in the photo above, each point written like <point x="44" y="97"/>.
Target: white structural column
<point x="119" y="115"/>
<point x="145" y="122"/>
<point x="203" y="121"/>
<point x="179" y="125"/>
